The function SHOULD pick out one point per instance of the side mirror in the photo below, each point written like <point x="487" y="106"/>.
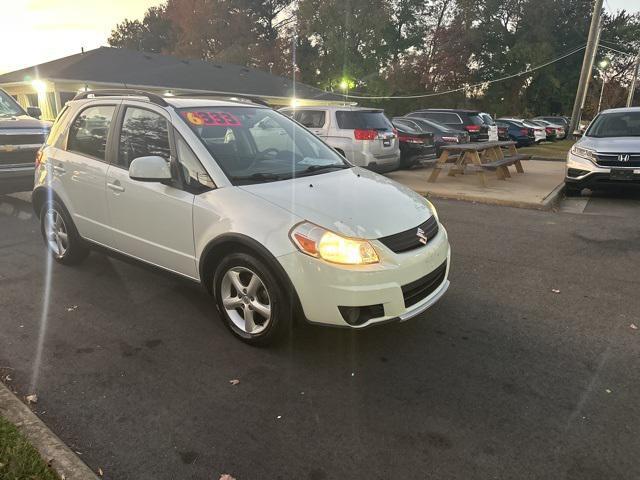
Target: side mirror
<point x="150" y="169"/>
<point x="34" y="112"/>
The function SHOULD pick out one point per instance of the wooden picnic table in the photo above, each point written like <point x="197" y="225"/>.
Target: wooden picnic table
<point x="479" y="157"/>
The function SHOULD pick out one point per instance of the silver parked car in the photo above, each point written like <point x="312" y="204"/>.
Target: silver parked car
<point x="364" y="136"/>
<point x="608" y="153"/>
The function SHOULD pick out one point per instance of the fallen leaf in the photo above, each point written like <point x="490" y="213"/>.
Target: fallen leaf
<point x="33" y="398"/>
<point x="226" y="476"/>
<point x="100" y="472"/>
<point x="633" y="326"/>
<point x="235" y="381"/>
<point x="72" y="308"/>
<point x="555" y="290"/>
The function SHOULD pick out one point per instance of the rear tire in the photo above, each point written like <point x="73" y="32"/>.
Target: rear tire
<point x="251" y="300"/>
<point x="61" y="235"/>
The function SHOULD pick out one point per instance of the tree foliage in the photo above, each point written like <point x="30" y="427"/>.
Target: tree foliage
<point x="401" y="47"/>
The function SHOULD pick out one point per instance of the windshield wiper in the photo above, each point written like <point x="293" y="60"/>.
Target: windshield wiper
<point x="316" y="168"/>
<point x="260" y="177"/>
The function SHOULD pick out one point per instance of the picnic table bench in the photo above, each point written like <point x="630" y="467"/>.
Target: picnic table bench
<point x="479" y="157"/>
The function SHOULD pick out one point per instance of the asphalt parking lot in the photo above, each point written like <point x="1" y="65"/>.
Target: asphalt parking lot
<point x="503" y="379"/>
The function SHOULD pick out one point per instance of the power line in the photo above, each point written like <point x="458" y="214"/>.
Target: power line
<point x="626" y="54"/>
<point x="479" y="84"/>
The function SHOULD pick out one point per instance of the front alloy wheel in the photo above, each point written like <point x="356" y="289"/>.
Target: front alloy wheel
<point x="246" y="300"/>
<point x="252" y="299"/>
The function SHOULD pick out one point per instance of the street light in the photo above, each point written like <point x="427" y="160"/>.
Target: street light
<point x="603" y="64"/>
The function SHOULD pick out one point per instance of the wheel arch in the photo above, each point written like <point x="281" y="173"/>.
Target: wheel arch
<point x="228" y="243"/>
<point x="43" y="193"/>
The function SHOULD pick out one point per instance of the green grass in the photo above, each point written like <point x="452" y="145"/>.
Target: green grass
<point x="18" y="459"/>
<point x="550" y="149"/>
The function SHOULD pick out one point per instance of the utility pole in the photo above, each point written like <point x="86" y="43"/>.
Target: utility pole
<point x="632" y="87"/>
<point x="587" y="65"/>
<point x="591" y="62"/>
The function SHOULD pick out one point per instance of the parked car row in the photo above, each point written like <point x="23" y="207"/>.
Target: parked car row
<point x="364" y="136"/>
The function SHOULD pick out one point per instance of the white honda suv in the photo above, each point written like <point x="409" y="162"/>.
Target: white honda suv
<point x="272" y="222"/>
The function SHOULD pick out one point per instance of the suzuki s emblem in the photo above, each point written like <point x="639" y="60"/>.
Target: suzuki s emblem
<point x="422" y="236"/>
<point x="623" y="158"/>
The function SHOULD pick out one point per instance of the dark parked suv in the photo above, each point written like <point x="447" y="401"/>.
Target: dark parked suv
<point x="464" y="120"/>
<point x="21" y="135"/>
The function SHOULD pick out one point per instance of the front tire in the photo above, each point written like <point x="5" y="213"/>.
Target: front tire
<point x="572" y="190"/>
<point x="251" y="300"/>
<point x="60" y="234"/>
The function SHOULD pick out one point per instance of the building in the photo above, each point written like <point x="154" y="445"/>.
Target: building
<point x="50" y="85"/>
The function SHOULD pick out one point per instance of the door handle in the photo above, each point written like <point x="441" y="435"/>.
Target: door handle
<point x="116" y="187"/>
<point x="58" y="169"/>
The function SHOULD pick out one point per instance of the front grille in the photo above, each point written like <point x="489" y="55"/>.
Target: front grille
<point x="23" y="139"/>
<point x="420" y="289"/>
<point x="409" y="239"/>
<point x="613" y="160"/>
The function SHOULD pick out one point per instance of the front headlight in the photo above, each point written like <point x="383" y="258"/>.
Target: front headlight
<point x="583" y="153"/>
<point x="432" y="209"/>
<point x="327" y="245"/>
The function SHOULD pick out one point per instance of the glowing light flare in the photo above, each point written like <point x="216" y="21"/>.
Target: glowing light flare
<point x="39" y="86"/>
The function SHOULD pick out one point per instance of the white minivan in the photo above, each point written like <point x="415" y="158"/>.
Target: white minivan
<point x="238" y="197"/>
<point x="364" y="136"/>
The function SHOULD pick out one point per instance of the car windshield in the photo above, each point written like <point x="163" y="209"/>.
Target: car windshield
<point x="476" y="119"/>
<point x="430" y="126"/>
<point x="362" y="119"/>
<point x="404" y="127"/>
<point x="487" y="119"/>
<point x="8" y="106"/>
<point x="254" y="144"/>
<point x="615" y="124"/>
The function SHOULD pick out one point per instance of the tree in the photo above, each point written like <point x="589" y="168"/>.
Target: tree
<point x="155" y="33"/>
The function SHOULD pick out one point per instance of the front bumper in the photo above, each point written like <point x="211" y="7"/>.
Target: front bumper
<point x="583" y="173"/>
<point x="322" y="287"/>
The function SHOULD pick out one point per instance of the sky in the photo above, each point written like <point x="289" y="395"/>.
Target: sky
<point x="36" y="31"/>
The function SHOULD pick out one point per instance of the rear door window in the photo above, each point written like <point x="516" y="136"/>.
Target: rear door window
<point x="88" y="132"/>
<point x="365" y="120"/>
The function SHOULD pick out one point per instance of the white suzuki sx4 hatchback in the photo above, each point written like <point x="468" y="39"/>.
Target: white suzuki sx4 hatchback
<point x="274" y="223"/>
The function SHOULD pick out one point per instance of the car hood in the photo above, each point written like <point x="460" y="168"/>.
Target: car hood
<point x="23" y="121"/>
<point x="611" y="144"/>
<point x="353" y="202"/>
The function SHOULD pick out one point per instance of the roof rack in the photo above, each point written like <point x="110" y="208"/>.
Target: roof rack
<point x="250" y="98"/>
<point x="123" y="92"/>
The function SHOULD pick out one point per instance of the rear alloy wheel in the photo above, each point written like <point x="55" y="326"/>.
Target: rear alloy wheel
<point x="60" y="235"/>
<point x="250" y="299"/>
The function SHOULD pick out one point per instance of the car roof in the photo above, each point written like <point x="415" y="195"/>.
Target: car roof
<point x="621" y="110"/>
<point x="186" y="101"/>
<point x="348" y="108"/>
<point x="448" y="110"/>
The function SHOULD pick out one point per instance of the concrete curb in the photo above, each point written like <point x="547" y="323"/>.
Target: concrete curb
<point x="549" y="159"/>
<point x="548" y="202"/>
<point x="64" y="462"/>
